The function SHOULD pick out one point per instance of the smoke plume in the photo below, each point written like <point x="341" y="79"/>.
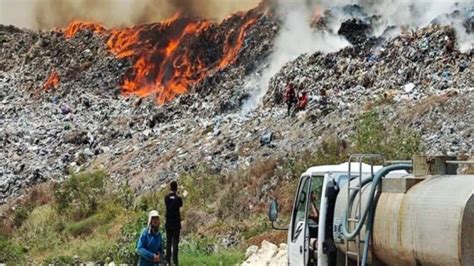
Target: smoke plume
<point x="48" y="14"/>
<point x="296" y="37"/>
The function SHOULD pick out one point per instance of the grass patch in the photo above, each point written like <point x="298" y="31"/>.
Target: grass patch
<point x="227" y="257"/>
<point x="38" y="233"/>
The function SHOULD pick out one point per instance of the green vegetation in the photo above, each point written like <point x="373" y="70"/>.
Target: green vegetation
<point x="82" y="216"/>
<point x="227" y="257"/>
<point x="371" y="136"/>
<point x="10" y="252"/>
<point x="80" y="195"/>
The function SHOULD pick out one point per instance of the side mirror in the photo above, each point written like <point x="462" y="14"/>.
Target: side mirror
<point x="273" y="211"/>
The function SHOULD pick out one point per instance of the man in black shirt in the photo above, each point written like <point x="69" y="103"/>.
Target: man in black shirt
<point x="173" y="223"/>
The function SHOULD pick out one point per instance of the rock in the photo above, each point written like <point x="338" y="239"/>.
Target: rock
<point x="251" y="251"/>
<point x="268" y="254"/>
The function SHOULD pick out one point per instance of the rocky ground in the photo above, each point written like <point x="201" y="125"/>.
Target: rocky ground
<point x="267" y="254"/>
<point x="418" y="79"/>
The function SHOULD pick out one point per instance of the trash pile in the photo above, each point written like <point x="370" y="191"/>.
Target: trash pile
<point x="63" y="107"/>
<point x="409" y="68"/>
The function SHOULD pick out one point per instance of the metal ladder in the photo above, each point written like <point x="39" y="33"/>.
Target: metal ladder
<point x="357" y="187"/>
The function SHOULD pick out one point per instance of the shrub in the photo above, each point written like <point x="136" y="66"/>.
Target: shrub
<point x="38" y="232"/>
<point x="403" y="144"/>
<point x="124" y="249"/>
<point x="370" y="136"/>
<point x="11" y="253"/>
<point x="20" y="215"/>
<point x="79" y="196"/>
<point x="369" y="133"/>
<point x="199" y="245"/>
<point x="103" y="217"/>
<point x="201" y="185"/>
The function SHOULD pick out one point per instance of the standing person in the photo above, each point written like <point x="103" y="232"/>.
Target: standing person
<point x="290" y="96"/>
<point x="173" y="203"/>
<point x="150" y="243"/>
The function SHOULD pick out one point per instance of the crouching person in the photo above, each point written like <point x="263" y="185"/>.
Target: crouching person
<point x="150" y="243"/>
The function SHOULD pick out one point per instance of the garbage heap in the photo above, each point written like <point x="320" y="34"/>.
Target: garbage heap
<point x="63" y="106"/>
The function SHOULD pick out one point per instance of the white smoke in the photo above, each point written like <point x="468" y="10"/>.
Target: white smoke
<point x="295" y="37"/>
<point x="412" y="14"/>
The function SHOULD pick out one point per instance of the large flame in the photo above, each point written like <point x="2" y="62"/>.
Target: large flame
<point x="171" y="56"/>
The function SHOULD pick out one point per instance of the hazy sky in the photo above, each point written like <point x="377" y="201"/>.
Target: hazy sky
<point x="45" y="14"/>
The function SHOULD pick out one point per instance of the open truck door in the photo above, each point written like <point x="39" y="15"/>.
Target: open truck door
<point x="298" y="234"/>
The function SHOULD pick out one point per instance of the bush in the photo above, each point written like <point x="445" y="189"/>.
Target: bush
<point x="403" y="144"/>
<point x="79" y="196"/>
<point x="201" y="185"/>
<point x="38" y="233"/>
<point x="20" y="215"/>
<point x="102" y="219"/>
<point x="124" y="250"/>
<point x="11" y="253"/>
<point x="370" y="136"/>
<point x="98" y="250"/>
<point x="198" y="245"/>
<point x="369" y="133"/>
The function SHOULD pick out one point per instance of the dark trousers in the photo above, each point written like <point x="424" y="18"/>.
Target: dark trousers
<point x="172" y="241"/>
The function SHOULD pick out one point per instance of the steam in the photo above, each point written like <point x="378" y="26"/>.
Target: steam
<point x="48" y="14"/>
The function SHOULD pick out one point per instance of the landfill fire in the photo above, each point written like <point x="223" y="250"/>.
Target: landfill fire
<point x="52" y="81"/>
<point x="171" y="56"/>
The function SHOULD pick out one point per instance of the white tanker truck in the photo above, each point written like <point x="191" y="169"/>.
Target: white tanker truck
<point x="418" y="212"/>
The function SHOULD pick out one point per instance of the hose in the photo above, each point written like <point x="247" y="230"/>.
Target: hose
<point x="375" y="180"/>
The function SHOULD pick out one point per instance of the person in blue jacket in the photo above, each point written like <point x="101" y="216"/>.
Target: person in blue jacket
<point x="150" y="243"/>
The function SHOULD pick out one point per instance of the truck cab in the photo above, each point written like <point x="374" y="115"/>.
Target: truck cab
<point x="382" y="214"/>
<point x="310" y="241"/>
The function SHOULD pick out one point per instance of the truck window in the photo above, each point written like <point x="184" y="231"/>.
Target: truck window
<point x="299" y="212"/>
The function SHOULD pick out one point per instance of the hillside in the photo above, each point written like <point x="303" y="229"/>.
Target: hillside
<point x="142" y="110"/>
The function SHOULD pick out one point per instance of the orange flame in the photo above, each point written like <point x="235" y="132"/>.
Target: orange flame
<point x="232" y="48"/>
<point x="52" y="81"/>
<point x="171" y="56"/>
<point x="76" y="26"/>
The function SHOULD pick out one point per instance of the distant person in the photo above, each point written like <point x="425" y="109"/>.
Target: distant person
<point x="290" y="96"/>
<point x="302" y="101"/>
<point x="150" y="243"/>
<point x="173" y="203"/>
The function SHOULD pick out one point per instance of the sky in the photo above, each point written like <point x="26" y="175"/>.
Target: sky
<point x="46" y="14"/>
